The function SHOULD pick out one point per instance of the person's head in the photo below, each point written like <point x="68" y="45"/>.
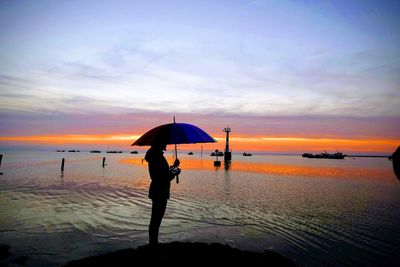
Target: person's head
<point x="159" y="146"/>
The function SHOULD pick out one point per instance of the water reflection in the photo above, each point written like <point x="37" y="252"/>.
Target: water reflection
<point x="216" y="166"/>
<point x="62" y="178"/>
<point x="227" y="165"/>
<point x="342" y="172"/>
<point x="227" y="181"/>
<point x="250" y="200"/>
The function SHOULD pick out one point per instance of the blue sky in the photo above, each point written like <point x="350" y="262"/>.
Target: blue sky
<point x="250" y="59"/>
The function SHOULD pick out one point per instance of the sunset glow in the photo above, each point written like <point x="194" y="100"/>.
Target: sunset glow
<point x="238" y="144"/>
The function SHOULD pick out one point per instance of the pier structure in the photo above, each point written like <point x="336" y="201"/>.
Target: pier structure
<point x="228" y="153"/>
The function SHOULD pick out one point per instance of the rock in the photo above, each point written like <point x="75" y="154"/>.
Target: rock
<point x="184" y="253"/>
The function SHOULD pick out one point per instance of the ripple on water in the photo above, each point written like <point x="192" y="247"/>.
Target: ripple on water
<point x="320" y="213"/>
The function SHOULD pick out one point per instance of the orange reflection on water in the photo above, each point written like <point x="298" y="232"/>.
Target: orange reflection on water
<point x="280" y="169"/>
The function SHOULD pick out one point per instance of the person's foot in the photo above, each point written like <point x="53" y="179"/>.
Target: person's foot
<point x="153" y="244"/>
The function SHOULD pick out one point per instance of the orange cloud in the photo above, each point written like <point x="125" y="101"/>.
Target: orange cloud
<point x="301" y="145"/>
<point x="70" y="139"/>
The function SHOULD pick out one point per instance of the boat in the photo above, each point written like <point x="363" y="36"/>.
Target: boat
<point x="190" y="153"/>
<point x="247" y="154"/>
<point x="134" y="152"/>
<point x="95" y="151"/>
<point x="324" y="155"/>
<point x="219" y="154"/>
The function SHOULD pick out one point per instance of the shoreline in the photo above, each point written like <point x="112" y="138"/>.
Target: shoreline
<point x="179" y="253"/>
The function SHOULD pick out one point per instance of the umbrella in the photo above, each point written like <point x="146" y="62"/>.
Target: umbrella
<point x="174" y="133"/>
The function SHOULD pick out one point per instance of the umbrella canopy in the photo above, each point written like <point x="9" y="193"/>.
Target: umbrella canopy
<point x="174" y="133"/>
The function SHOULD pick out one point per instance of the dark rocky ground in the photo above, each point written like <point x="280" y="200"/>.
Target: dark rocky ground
<point x="167" y="254"/>
<point x="8" y="259"/>
<point x="184" y="253"/>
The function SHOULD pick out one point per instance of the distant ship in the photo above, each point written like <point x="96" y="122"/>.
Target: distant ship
<point x="219" y="154"/>
<point x="190" y="153"/>
<point x="324" y="155"/>
<point x="247" y="154"/>
<point x="134" y="152"/>
<point x="95" y="151"/>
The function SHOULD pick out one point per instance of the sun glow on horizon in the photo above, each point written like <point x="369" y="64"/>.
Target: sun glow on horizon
<point x="69" y="138"/>
<point x="237" y="143"/>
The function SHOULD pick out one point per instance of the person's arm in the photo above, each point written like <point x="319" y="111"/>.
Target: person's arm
<point x="176" y="163"/>
<point x="160" y="170"/>
<point x="174" y="171"/>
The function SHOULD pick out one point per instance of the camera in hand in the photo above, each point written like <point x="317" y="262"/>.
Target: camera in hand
<point x="175" y="170"/>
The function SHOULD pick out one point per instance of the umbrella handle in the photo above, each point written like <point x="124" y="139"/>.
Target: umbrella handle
<point x="176" y="157"/>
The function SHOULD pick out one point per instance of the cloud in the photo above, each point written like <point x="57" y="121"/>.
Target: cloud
<point x="246" y="126"/>
<point x="208" y="64"/>
<point x="152" y="82"/>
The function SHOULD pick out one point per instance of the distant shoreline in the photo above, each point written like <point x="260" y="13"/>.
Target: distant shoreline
<point x="181" y="152"/>
<point x="366" y="156"/>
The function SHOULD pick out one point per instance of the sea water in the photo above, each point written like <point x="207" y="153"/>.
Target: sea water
<point x="313" y="211"/>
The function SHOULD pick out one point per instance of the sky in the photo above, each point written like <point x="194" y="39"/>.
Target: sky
<point x="286" y="76"/>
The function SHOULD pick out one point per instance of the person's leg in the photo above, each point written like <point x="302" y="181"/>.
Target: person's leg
<point x="157" y="213"/>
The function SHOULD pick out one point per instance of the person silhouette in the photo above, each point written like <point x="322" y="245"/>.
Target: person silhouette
<point x="396" y="162"/>
<point x="161" y="175"/>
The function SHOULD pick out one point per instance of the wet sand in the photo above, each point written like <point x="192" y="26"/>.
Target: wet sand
<point x="188" y="253"/>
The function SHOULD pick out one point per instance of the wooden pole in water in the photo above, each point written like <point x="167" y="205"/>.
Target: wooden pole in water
<point x="1" y="158"/>
<point x="62" y="164"/>
<point x="104" y="161"/>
